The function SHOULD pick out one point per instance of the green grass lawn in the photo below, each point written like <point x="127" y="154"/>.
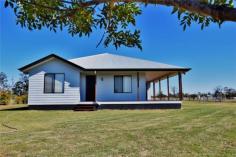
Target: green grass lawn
<point x="198" y="129"/>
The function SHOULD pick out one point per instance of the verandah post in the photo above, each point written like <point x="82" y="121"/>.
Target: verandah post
<point x="138" y="97"/>
<point x="160" y="88"/>
<point x="180" y="87"/>
<point x="168" y="88"/>
<point x="154" y="90"/>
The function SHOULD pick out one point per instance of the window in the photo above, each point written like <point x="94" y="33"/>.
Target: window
<point x="48" y="83"/>
<point x="54" y="83"/>
<point x="127" y="84"/>
<point x="59" y="83"/>
<point x="122" y="84"/>
<point x="118" y="84"/>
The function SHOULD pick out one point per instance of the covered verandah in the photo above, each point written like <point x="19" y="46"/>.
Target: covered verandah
<point x="157" y="80"/>
<point x="154" y="100"/>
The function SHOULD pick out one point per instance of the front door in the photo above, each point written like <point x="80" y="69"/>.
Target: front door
<point x="90" y="87"/>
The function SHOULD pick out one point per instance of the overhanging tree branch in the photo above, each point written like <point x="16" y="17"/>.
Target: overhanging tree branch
<point x="218" y="12"/>
<point x="115" y="17"/>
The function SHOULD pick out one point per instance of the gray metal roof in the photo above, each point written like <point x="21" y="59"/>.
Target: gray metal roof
<point x="106" y="61"/>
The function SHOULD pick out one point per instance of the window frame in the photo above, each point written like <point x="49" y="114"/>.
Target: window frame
<point x="53" y="84"/>
<point x="115" y="76"/>
<point x="50" y="84"/>
<point x="123" y="83"/>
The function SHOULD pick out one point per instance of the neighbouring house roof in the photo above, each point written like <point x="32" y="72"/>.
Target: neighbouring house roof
<point x="108" y="62"/>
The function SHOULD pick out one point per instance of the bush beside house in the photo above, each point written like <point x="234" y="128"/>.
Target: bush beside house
<point x="5" y="97"/>
<point x="17" y="93"/>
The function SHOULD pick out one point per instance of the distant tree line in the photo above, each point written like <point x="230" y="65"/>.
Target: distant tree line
<point x="219" y="94"/>
<point x="14" y="92"/>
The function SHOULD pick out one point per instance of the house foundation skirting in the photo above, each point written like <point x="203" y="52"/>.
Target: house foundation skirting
<point x="122" y="105"/>
<point x="140" y="106"/>
<point x="52" y="107"/>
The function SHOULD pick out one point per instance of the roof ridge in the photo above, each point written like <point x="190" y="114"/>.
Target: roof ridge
<point x="118" y="55"/>
<point x="140" y="59"/>
<point x="90" y="55"/>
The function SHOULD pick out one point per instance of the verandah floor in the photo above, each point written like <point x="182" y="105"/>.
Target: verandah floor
<point x="128" y="102"/>
<point x="140" y="105"/>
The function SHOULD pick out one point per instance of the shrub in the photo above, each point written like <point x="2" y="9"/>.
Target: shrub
<point x="21" y="99"/>
<point x="5" y="97"/>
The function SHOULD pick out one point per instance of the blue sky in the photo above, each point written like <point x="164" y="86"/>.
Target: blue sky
<point x="210" y="53"/>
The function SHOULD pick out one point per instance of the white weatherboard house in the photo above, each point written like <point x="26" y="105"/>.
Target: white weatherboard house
<point x="103" y="80"/>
